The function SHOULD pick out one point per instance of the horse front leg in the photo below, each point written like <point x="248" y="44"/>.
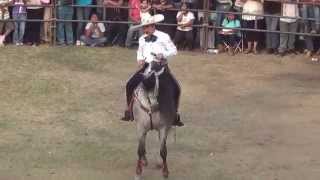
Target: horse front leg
<point x="141" y="153"/>
<point x="163" y="151"/>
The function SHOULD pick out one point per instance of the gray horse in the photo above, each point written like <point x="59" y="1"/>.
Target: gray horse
<point x="154" y="108"/>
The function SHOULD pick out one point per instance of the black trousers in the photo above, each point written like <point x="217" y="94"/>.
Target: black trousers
<point x="33" y="28"/>
<point x="117" y="34"/>
<point x="184" y="36"/>
<point x="138" y="77"/>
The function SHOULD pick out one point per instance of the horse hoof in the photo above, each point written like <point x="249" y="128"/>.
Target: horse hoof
<point x="137" y="177"/>
<point x="159" y="166"/>
<point x="145" y="162"/>
<point x="166" y="174"/>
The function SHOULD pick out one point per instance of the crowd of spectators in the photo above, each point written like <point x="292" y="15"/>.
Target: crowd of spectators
<point x="268" y="15"/>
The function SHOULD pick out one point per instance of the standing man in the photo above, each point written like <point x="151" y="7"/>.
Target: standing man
<point x="159" y="43"/>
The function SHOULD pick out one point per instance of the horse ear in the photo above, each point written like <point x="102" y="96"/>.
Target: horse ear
<point x="149" y="82"/>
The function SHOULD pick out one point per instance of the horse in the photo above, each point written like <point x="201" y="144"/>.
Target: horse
<point x="154" y="108"/>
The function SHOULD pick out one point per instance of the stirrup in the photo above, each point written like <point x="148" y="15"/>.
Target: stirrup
<point x="177" y="121"/>
<point x="127" y="116"/>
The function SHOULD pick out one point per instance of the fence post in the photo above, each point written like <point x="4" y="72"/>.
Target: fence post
<point x="54" y="23"/>
<point x="205" y="25"/>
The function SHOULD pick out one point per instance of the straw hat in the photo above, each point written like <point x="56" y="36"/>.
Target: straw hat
<point x="149" y="20"/>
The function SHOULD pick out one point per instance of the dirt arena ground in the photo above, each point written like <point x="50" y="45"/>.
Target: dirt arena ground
<point x="247" y="117"/>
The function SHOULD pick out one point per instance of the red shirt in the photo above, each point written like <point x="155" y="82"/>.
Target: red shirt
<point x="135" y="10"/>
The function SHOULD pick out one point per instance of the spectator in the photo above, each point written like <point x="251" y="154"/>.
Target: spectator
<point x="272" y="39"/>
<point x="176" y="3"/>
<point x="308" y="26"/>
<point x="82" y="13"/>
<point x="252" y="22"/>
<point x="117" y="32"/>
<point x="164" y="7"/>
<point x="94" y="33"/>
<point x="145" y="9"/>
<point x="230" y="36"/>
<point x="288" y="25"/>
<point x="64" y="29"/>
<point x="184" y="32"/>
<point x="221" y="5"/>
<point x="134" y="18"/>
<point x="238" y="5"/>
<point x="19" y="13"/>
<point x="5" y="27"/>
<point x="47" y="33"/>
<point x="35" y="11"/>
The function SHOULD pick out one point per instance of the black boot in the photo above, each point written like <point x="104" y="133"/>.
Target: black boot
<point x="127" y="116"/>
<point x="177" y="121"/>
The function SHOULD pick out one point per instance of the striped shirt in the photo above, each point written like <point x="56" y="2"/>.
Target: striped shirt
<point x="4" y="12"/>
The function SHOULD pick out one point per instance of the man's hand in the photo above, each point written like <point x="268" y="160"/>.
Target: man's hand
<point x="160" y="57"/>
<point x="141" y="63"/>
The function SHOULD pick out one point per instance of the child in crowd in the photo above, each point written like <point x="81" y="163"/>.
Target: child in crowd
<point x="94" y="32"/>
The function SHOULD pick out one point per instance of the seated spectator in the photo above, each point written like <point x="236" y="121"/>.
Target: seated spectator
<point x="19" y="13"/>
<point x="94" y="33"/>
<point x="82" y="13"/>
<point x="252" y="22"/>
<point x="5" y="27"/>
<point x="221" y="5"/>
<point x="230" y="36"/>
<point x="184" y="32"/>
<point x="288" y="25"/>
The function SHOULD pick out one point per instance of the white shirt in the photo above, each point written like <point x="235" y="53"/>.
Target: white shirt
<point x="290" y="10"/>
<point x="95" y="34"/>
<point x="185" y="19"/>
<point x="252" y="7"/>
<point x="162" y="45"/>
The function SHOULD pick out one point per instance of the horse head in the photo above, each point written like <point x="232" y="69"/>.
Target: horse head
<point x="152" y="73"/>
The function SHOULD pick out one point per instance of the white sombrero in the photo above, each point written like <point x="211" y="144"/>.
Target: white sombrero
<point x="150" y="20"/>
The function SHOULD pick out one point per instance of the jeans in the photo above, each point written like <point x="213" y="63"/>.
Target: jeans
<point x="19" y="27"/>
<point x="309" y="11"/>
<point x="93" y="41"/>
<point x="287" y="40"/>
<point x="272" y="39"/>
<point x="83" y="13"/>
<point x="65" y="32"/>
<point x="130" y="34"/>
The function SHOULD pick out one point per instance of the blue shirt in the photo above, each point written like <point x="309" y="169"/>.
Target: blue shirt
<point x="84" y="2"/>
<point x="231" y="23"/>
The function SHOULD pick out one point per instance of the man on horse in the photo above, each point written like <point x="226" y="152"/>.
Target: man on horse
<point x="154" y="45"/>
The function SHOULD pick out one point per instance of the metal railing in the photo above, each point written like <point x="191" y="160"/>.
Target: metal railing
<point x="205" y="25"/>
